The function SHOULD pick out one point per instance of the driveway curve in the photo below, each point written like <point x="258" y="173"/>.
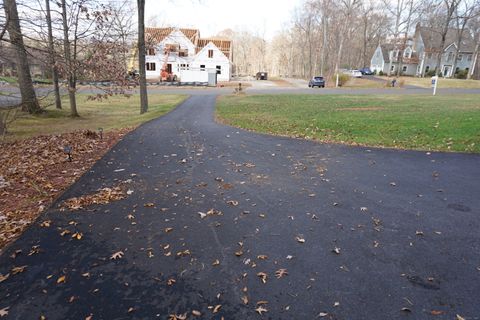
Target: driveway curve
<point x="231" y="224"/>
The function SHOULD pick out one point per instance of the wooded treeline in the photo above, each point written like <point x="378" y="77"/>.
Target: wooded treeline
<point x="81" y="40"/>
<point x="326" y="35"/>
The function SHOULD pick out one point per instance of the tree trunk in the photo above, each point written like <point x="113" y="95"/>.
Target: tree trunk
<point x="58" y="102"/>
<point x="69" y="63"/>
<point x="29" y="98"/>
<point x="141" y="56"/>
<point x="473" y="65"/>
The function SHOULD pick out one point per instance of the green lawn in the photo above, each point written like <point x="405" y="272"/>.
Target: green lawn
<point x="112" y="113"/>
<point x="447" y="123"/>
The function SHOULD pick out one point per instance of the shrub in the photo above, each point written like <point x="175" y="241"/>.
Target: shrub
<point x="461" y="74"/>
<point x="342" y="79"/>
<point x="380" y="73"/>
<point x="430" y="73"/>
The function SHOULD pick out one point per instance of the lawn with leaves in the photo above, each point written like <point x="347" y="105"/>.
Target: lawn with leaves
<point x="112" y="113"/>
<point x="420" y="122"/>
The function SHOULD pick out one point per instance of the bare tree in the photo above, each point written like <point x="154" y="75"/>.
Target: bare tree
<point x="141" y="56"/>
<point x="469" y="10"/>
<point x="56" y="87"/>
<point x="29" y="99"/>
<point x="450" y="8"/>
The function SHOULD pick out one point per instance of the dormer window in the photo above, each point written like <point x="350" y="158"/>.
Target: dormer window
<point x="407" y="53"/>
<point x="150" y="52"/>
<point x="210" y="53"/>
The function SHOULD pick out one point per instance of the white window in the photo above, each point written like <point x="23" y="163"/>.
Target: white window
<point x="392" y="68"/>
<point x="150" y="52"/>
<point x="404" y="69"/>
<point x="469" y="57"/>
<point x="460" y="57"/>
<point x="450" y="56"/>
<point x="202" y="67"/>
<point x="150" y="66"/>
<point x="219" y="69"/>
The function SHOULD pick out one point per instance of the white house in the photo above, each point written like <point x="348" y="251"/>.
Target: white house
<point x="186" y="57"/>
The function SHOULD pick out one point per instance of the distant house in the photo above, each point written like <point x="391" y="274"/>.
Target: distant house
<point x="186" y="57"/>
<point x="418" y="55"/>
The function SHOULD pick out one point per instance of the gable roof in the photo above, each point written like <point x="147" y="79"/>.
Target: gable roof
<point x="432" y="39"/>
<point x="156" y="35"/>
<point x="386" y="48"/>
<point x="222" y="44"/>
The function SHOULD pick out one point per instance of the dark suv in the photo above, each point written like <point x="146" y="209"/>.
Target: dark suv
<point x="366" y="71"/>
<point x="316" y="82"/>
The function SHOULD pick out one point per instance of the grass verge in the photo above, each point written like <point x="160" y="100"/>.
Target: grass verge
<point x="442" y="83"/>
<point x="113" y="113"/>
<point x="441" y="123"/>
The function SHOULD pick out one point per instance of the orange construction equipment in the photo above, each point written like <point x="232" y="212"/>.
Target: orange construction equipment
<point x="166" y="71"/>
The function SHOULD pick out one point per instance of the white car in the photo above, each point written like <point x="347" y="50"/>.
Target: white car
<point x="355" y="73"/>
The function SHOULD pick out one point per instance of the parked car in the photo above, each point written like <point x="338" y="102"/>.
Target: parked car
<point x="366" y="71"/>
<point x="317" y="82"/>
<point x="261" y="76"/>
<point x="355" y="74"/>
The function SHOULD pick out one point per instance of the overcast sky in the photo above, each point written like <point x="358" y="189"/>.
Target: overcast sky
<point x="213" y="16"/>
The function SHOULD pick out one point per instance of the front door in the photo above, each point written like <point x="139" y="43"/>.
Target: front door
<point x="169" y="68"/>
<point x="446" y="71"/>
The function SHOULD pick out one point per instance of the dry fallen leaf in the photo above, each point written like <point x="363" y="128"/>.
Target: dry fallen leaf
<point x="280" y="273"/>
<point x="300" y="239"/>
<point x="4" y="277"/>
<point x="171" y="282"/>
<point x="323" y="314"/>
<point x="436" y="312"/>
<point x="117" y="255"/>
<point x="262" y="257"/>
<point x="336" y="250"/>
<point x="217" y="308"/>
<point x="216" y="262"/>
<point x="167" y="230"/>
<point x="260" y="310"/>
<point x="45" y="224"/>
<point x="61" y="280"/>
<point x="4" y="312"/>
<point x="459" y="317"/>
<point x="245" y="300"/>
<point x="16" y="270"/>
<point x="90" y="317"/>
<point x="196" y="313"/>
<point x="77" y="235"/>
<point x="232" y="203"/>
<point x="149" y="205"/>
<point x="263" y="276"/>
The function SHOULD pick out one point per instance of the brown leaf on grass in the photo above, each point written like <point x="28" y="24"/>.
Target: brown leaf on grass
<point x="171" y="282"/>
<point x="36" y="172"/>
<point x="16" y="270"/>
<point x="149" y="205"/>
<point x="281" y="273"/>
<point x="178" y="316"/>
<point x="117" y="255"/>
<point x="245" y="300"/>
<point x="262" y="257"/>
<point x="167" y="230"/>
<point x="216" y="262"/>
<point x="77" y="235"/>
<point x="232" y="203"/>
<point x="216" y="308"/>
<point x="263" y="276"/>
<point x="89" y="317"/>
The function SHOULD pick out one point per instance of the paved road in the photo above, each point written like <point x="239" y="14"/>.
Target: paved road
<point x="363" y="233"/>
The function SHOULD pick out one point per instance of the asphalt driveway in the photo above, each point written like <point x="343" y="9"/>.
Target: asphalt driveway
<point x="227" y="224"/>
